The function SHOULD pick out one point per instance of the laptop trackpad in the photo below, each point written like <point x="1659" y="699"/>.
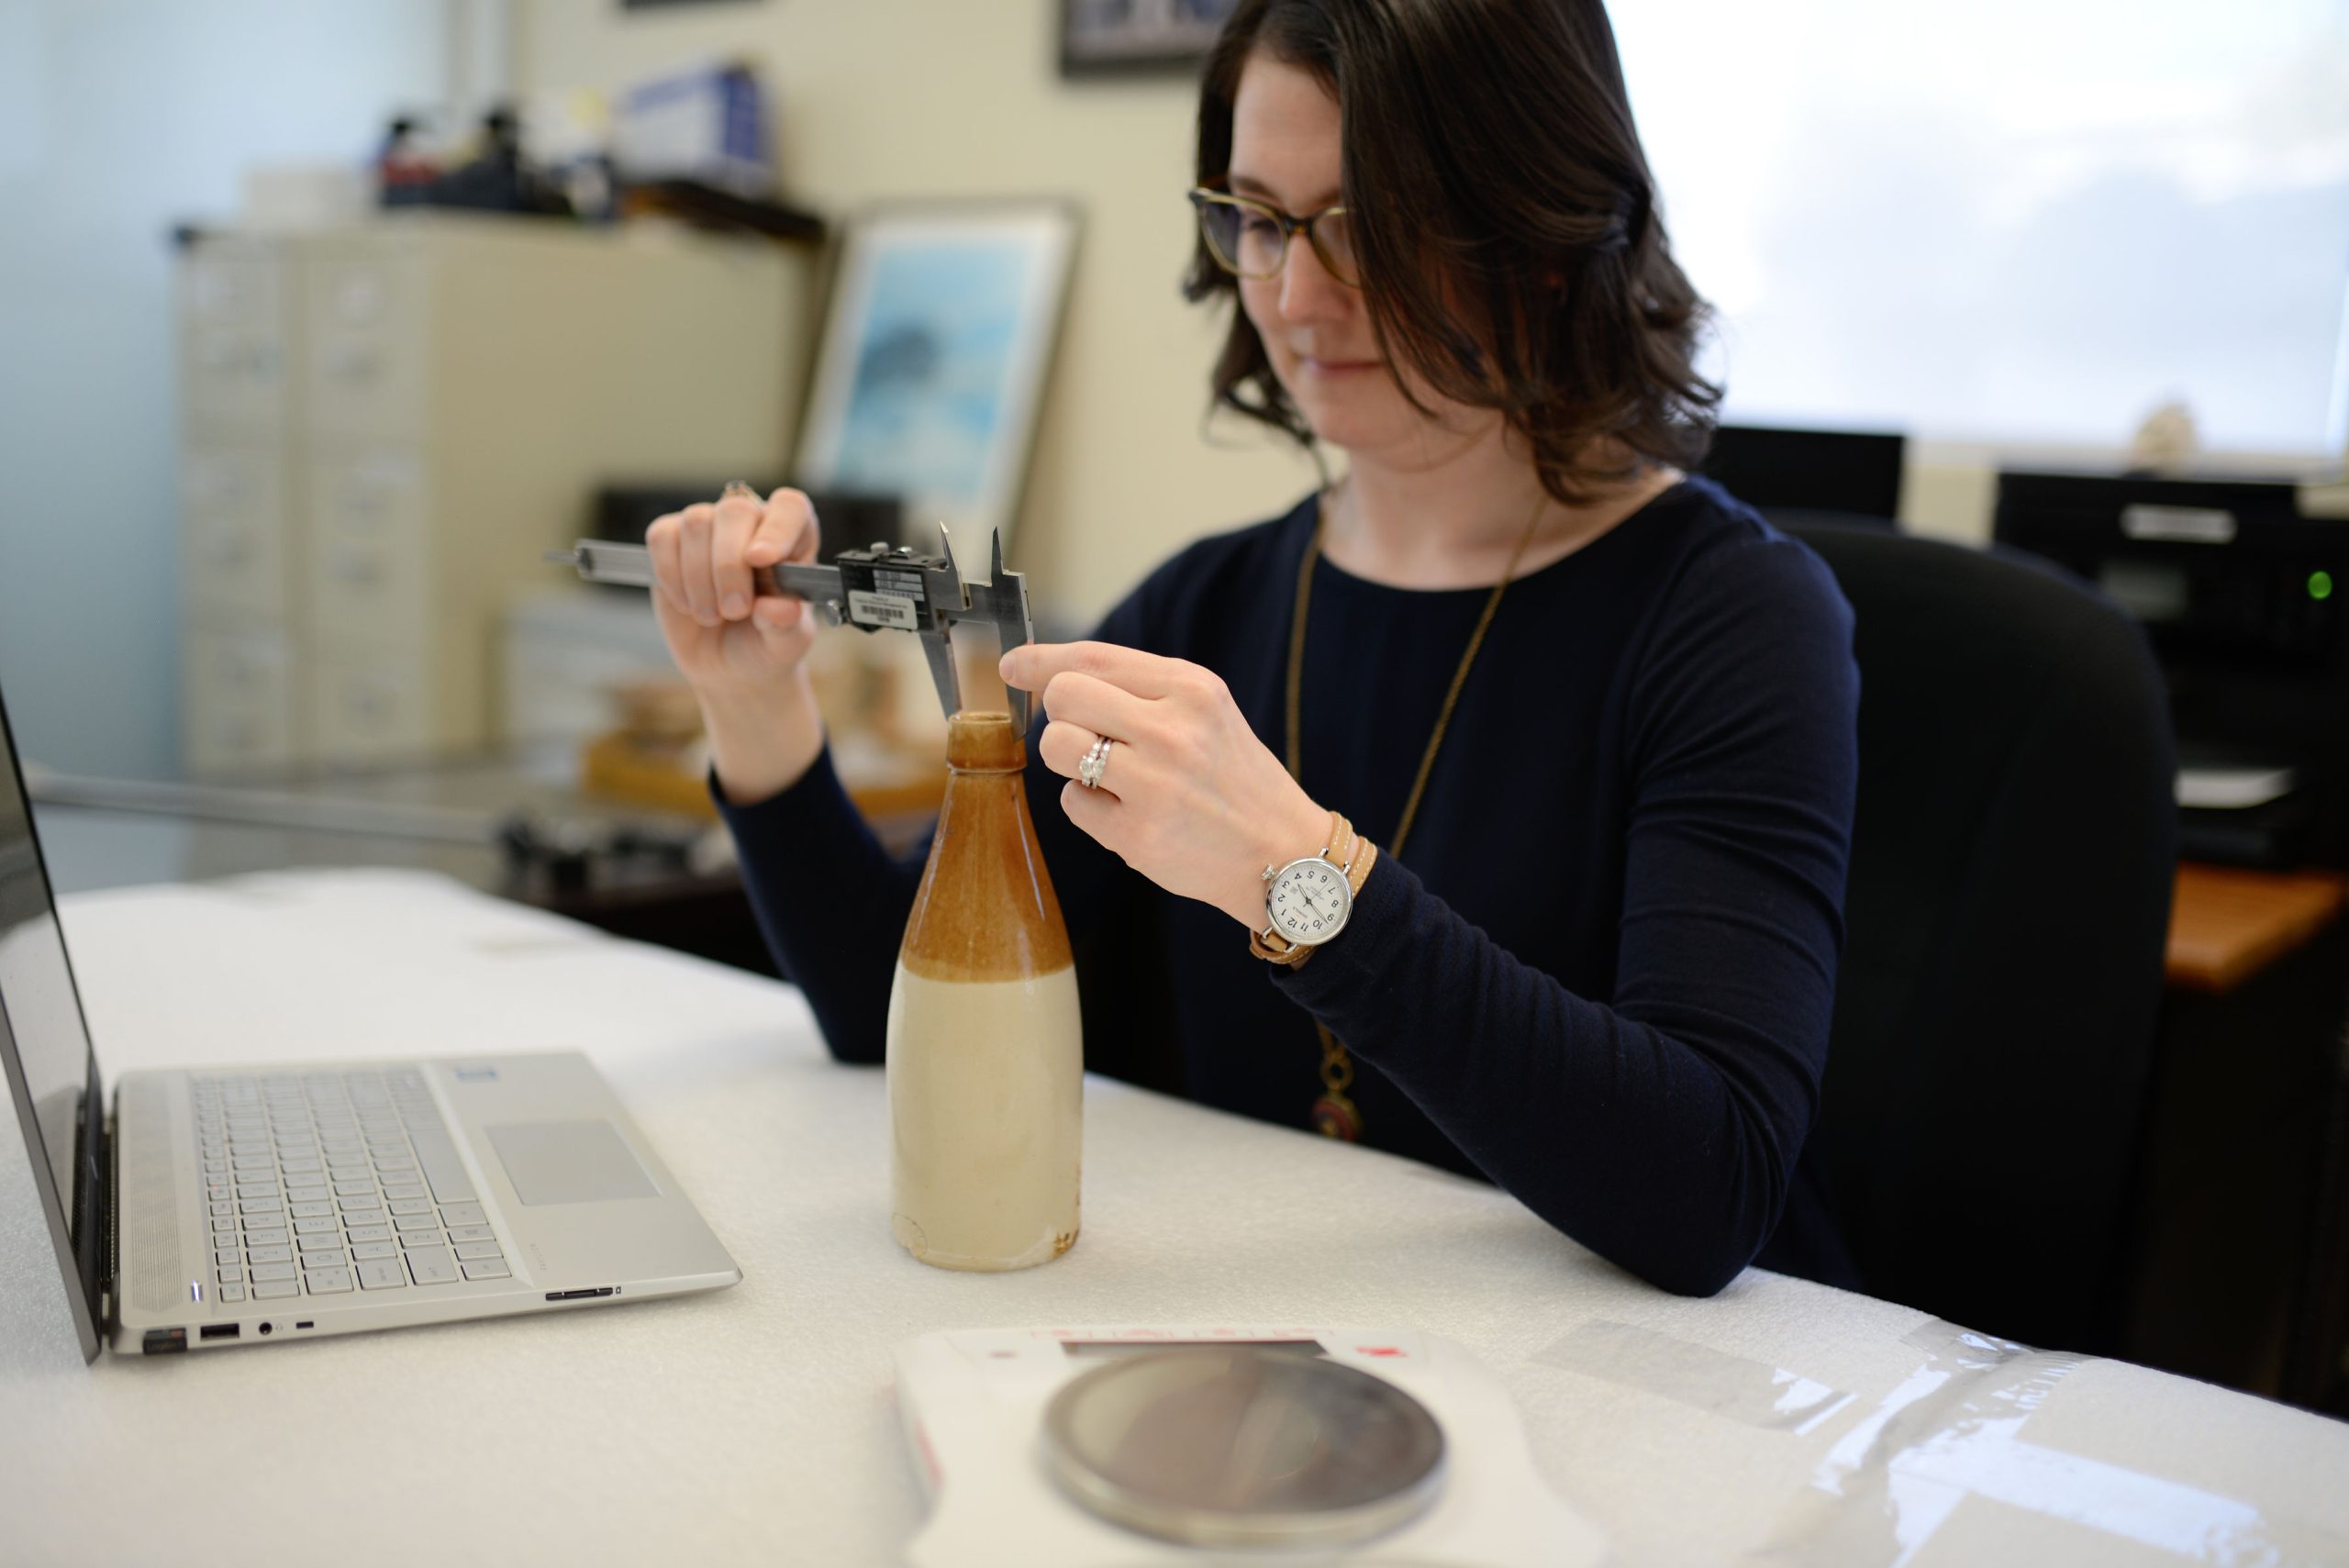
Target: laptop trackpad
<point x="569" y="1162"/>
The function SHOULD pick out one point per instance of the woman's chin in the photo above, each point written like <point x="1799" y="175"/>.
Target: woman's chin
<point x="1340" y="420"/>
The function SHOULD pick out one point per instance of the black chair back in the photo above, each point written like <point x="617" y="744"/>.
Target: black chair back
<point x="2012" y="862"/>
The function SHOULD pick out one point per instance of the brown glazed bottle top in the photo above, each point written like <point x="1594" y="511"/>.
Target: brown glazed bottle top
<point x="985" y="910"/>
<point x="984" y="741"/>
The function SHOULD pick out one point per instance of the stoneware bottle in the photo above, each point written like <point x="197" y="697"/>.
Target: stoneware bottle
<point x="986" y="1054"/>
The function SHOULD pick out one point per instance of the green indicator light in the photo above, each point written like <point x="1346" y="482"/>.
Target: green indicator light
<point x="2320" y="584"/>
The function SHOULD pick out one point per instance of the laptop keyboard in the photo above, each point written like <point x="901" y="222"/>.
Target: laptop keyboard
<point x="335" y="1183"/>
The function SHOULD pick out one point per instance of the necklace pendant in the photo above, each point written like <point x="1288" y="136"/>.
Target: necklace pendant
<point x="1334" y="1115"/>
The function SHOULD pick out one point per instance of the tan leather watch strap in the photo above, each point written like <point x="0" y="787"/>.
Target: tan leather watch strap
<point x="1269" y="944"/>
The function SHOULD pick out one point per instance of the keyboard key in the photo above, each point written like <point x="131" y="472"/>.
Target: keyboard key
<point x="473" y="1252"/>
<point x="322" y="1243"/>
<point x="269" y="1254"/>
<point x="487" y="1268"/>
<point x="224" y="1224"/>
<point x="325" y="1225"/>
<point x="404" y="1190"/>
<point x="374" y="1206"/>
<point x="370" y="1233"/>
<point x="274" y="1289"/>
<point x="436" y="1155"/>
<point x="432" y="1265"/>
<point x="411" y="1206"/>
<point x="470" y="1234"/>
<point x="297" y="1196"/>
<point x="224" y="1208"/>
<point x="225" y="1255"/>
<point x="463" y="1214"/>
<point x="229" y="1275"/>
<point x="311" y="1210"/>
<point x="268" y="1236"/>
<point x="364" y="1250"/>
<point x="416" y="1222"/>
<point x="262" y="1206"/>
<point x="232" y="1293"/>
<point x="265" y="1273"/>
<point x="381" y="1273"/>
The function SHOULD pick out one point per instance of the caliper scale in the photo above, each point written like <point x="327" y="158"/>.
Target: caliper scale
<point x="876" y="588"/>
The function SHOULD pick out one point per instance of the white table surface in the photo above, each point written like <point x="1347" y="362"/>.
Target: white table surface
<point x="1780" y="1419"/>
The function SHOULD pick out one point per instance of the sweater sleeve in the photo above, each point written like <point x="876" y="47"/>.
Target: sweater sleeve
<point x="832" y="904"/>
<point x="1660" y="1127"/>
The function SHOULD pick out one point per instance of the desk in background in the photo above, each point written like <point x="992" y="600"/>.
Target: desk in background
<point x="1780" y="1420"/>
<point x="2242" y="1266"/>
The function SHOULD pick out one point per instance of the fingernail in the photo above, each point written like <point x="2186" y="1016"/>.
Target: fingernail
<point x="736" y="606"/>
<point x="1009" y="665"/>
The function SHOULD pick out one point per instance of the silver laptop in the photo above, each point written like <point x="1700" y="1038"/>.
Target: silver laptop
<point x="228" y="1207"/>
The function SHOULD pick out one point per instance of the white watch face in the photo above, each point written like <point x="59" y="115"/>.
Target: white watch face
<point x="1309" y="902"/>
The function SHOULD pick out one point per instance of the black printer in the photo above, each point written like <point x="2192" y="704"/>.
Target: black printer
<point x="2243" y="598"/>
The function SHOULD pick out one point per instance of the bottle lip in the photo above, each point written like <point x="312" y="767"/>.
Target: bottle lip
<point x="984" y="742"/>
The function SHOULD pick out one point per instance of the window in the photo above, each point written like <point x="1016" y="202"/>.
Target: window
<point x="2028" y="220"/>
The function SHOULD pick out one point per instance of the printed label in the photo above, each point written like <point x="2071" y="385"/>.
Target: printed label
<point x="882" y="609"/>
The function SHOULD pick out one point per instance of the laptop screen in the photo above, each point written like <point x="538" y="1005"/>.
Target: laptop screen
<point x="45" y="1047"/>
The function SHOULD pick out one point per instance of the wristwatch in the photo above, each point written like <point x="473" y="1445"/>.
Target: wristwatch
<point x="1307" y="902"/>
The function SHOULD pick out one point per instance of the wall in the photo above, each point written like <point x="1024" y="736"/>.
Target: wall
<point x="118" y="119"/>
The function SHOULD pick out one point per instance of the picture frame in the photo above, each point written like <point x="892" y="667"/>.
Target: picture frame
<point x="1120" y="38"/>
<point x="938" y="334"/>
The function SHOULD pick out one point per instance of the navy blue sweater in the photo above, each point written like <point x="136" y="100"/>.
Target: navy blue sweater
<point x="1601" y="973"/>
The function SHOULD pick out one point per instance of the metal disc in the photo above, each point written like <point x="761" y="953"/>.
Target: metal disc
<point x="1244" y="1445"/>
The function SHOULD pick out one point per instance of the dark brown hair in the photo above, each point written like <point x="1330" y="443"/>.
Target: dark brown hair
<point x="1503" y="218"/>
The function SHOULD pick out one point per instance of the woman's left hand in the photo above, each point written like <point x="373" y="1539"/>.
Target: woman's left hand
<point x="1190" y="797"/>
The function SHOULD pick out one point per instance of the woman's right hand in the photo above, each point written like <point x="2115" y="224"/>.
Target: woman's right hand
<point x="742" y="653"/>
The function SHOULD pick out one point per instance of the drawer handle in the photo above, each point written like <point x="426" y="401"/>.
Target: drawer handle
<point x="350" y="364"/>
<point x="354" y="569"/>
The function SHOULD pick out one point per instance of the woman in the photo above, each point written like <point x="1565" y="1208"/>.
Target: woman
<point x="1591" y="719"/>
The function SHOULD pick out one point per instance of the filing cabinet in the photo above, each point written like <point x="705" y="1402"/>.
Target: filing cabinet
<point x="384" y="428"/>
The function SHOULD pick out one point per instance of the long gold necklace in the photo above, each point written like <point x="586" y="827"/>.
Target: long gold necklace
<point x="1334" y="1113"/>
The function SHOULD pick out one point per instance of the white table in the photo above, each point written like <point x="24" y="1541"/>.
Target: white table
<point x="755" y="1425"/>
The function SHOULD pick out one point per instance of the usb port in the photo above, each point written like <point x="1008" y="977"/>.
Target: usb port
<point x="219" y="1330"/>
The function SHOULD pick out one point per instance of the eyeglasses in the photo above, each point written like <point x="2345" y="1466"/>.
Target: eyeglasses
<point x="1250" y="239"/>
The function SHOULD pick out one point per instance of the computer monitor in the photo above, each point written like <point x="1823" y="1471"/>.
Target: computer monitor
<point x="1846" y="473"/>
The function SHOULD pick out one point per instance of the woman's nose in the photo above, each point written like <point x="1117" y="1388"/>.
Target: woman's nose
<point x="1307" y="291"/>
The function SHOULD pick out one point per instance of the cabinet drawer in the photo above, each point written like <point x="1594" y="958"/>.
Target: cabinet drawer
<point x="367" y="550"/>
<point x="365" y="325"/>
<point x="369" y="710"/>
<point x="233" y="337"/>
<point x="234" y="561"/>
<point x="239" y="702"/>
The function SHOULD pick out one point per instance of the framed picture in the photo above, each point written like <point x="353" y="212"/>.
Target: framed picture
<point x="1109" y="36"/>
<point x="936" y="343"/>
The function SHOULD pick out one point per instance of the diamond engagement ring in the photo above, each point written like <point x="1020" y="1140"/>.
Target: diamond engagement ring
<point x="1088" y="771"/>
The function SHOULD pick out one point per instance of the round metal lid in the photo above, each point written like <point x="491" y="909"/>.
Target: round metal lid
<point x="1244" y="1445"/>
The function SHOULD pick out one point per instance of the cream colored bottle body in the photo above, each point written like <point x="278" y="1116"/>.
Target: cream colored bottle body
<point x="985" y="1051"/>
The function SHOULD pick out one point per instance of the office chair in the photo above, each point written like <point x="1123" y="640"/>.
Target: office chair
<point x="2013" y="861"/>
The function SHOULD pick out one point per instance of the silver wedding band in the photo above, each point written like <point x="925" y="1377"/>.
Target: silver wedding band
<point x="1096" y="758"/>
